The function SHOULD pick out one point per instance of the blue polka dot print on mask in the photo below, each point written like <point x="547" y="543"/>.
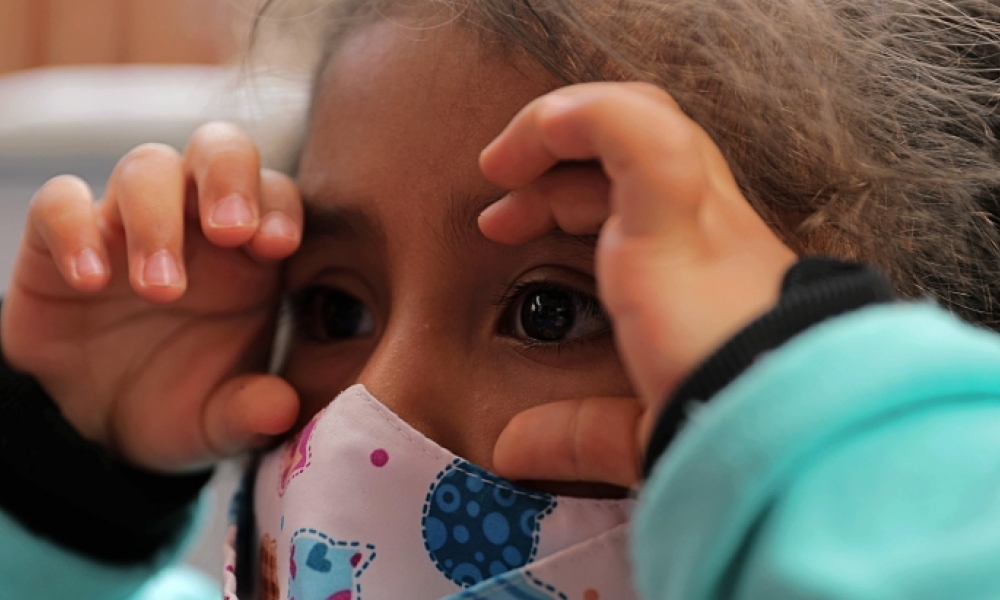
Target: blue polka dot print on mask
<point x="477" y="525"/>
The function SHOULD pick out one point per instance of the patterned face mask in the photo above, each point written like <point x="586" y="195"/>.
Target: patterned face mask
<point x="360" y="506"/>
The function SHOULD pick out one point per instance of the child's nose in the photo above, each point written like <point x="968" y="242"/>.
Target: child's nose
<point x="428" y="381"/>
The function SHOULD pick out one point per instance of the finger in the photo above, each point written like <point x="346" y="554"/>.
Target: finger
<point x="63" y="224"/>
<point x="145" y="198"/>
<point x="652" y="152"/>
<point x="532" y="143"/>
<point x="248" y="411"/>
<point x="594" y="440"/>
<point x="572" y="197"/>
<point x="280" y="229"/>
<point x="224" y="164"/>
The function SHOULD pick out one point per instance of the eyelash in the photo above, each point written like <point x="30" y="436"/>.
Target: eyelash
<point x="294" y="307"/>
<point x="296" y="310"/>
<point x="590" y="304"/>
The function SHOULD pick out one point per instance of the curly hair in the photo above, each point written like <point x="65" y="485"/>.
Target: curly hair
<point x="864" y="129"/>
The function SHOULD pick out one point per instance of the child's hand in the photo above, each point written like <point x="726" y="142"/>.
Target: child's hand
<point x="682" y="261"/>
<point x="148" y="315"/>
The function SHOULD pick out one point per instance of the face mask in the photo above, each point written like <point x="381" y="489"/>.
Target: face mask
<point x="361" y="506"/>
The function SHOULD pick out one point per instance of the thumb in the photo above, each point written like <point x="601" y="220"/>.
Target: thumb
<point x="247" y="411"/>
<point x="590" y="439"/>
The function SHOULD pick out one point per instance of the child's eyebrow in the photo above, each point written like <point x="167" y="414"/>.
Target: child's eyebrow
<point x="461" y="219"/>
<point x="339" y="221"/>
<point x="461" y="224"/>
<point x="460" y="227"/>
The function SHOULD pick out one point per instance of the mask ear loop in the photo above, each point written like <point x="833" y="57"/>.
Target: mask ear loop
<point x="241" y="514"/>
<point x="282" y="341"/>
<point x="241" y="508"/>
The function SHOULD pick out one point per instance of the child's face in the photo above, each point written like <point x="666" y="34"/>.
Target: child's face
<point x="395" y="286"/>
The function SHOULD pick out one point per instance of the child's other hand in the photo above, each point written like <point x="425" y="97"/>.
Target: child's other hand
<point x="682" y="261"/>
<point x="147" y="316"/>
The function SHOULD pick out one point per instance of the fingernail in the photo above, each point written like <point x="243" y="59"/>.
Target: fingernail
<point x="496" y="206"/>
<point x="278" y="224"/>
<point x="161" y="270"/>
<point x="231" y="211"/>
<point x="88" y="263"/>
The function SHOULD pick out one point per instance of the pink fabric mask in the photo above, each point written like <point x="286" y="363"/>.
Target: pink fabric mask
<point x="360" y="506"/>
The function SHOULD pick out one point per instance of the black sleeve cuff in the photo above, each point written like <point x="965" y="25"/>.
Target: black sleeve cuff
<point x="69" y="490"/>
<point x="813" y="290"/>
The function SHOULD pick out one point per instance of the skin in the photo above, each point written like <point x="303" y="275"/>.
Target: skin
<point x="147" y="316"/>
<point x="682" y="262"/>
<point x="395" y="146"/>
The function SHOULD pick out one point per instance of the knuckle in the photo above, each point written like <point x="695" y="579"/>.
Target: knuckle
<point x="683" y="137"/>
<point x="148" y="176"/>
<point x="142" y="158"/>
<point x="279" y="188"/>
<point x="278" y="179"/>
<point x="642" y="87"/>
<point x="653" y="92"/>
<point x="55" y="192"/>
<point x="681" y="140"/>
<point x="151" y="151"/>
<point x="221" y="139"/>
<point x="215" y="130"/>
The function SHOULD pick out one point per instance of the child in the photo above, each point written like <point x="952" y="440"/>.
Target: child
<point x="856" y="459"/>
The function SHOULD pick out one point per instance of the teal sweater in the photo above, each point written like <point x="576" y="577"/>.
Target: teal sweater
<point x="860" y="460"/>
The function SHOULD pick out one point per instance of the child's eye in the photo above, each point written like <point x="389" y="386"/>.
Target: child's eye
<point x="325" y="314"/>
<point x="547" y="312"/>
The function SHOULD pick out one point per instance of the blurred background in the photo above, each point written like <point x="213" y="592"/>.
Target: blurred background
<point x="83" y="81"/>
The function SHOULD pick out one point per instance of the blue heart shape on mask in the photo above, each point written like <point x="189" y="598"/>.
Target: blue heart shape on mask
<point x="317" y="559"/>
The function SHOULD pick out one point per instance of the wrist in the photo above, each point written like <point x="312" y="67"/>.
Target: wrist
<point x="813" y="289"/>
<point x="63" y="487"/>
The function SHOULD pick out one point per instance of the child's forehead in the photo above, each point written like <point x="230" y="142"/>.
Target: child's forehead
<point x="396" y="68"/>
<point x="404" y="114"/>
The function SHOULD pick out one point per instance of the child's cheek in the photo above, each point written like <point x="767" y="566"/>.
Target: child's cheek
<point x="577" y="369"/>
<point x="320" y="372"/>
